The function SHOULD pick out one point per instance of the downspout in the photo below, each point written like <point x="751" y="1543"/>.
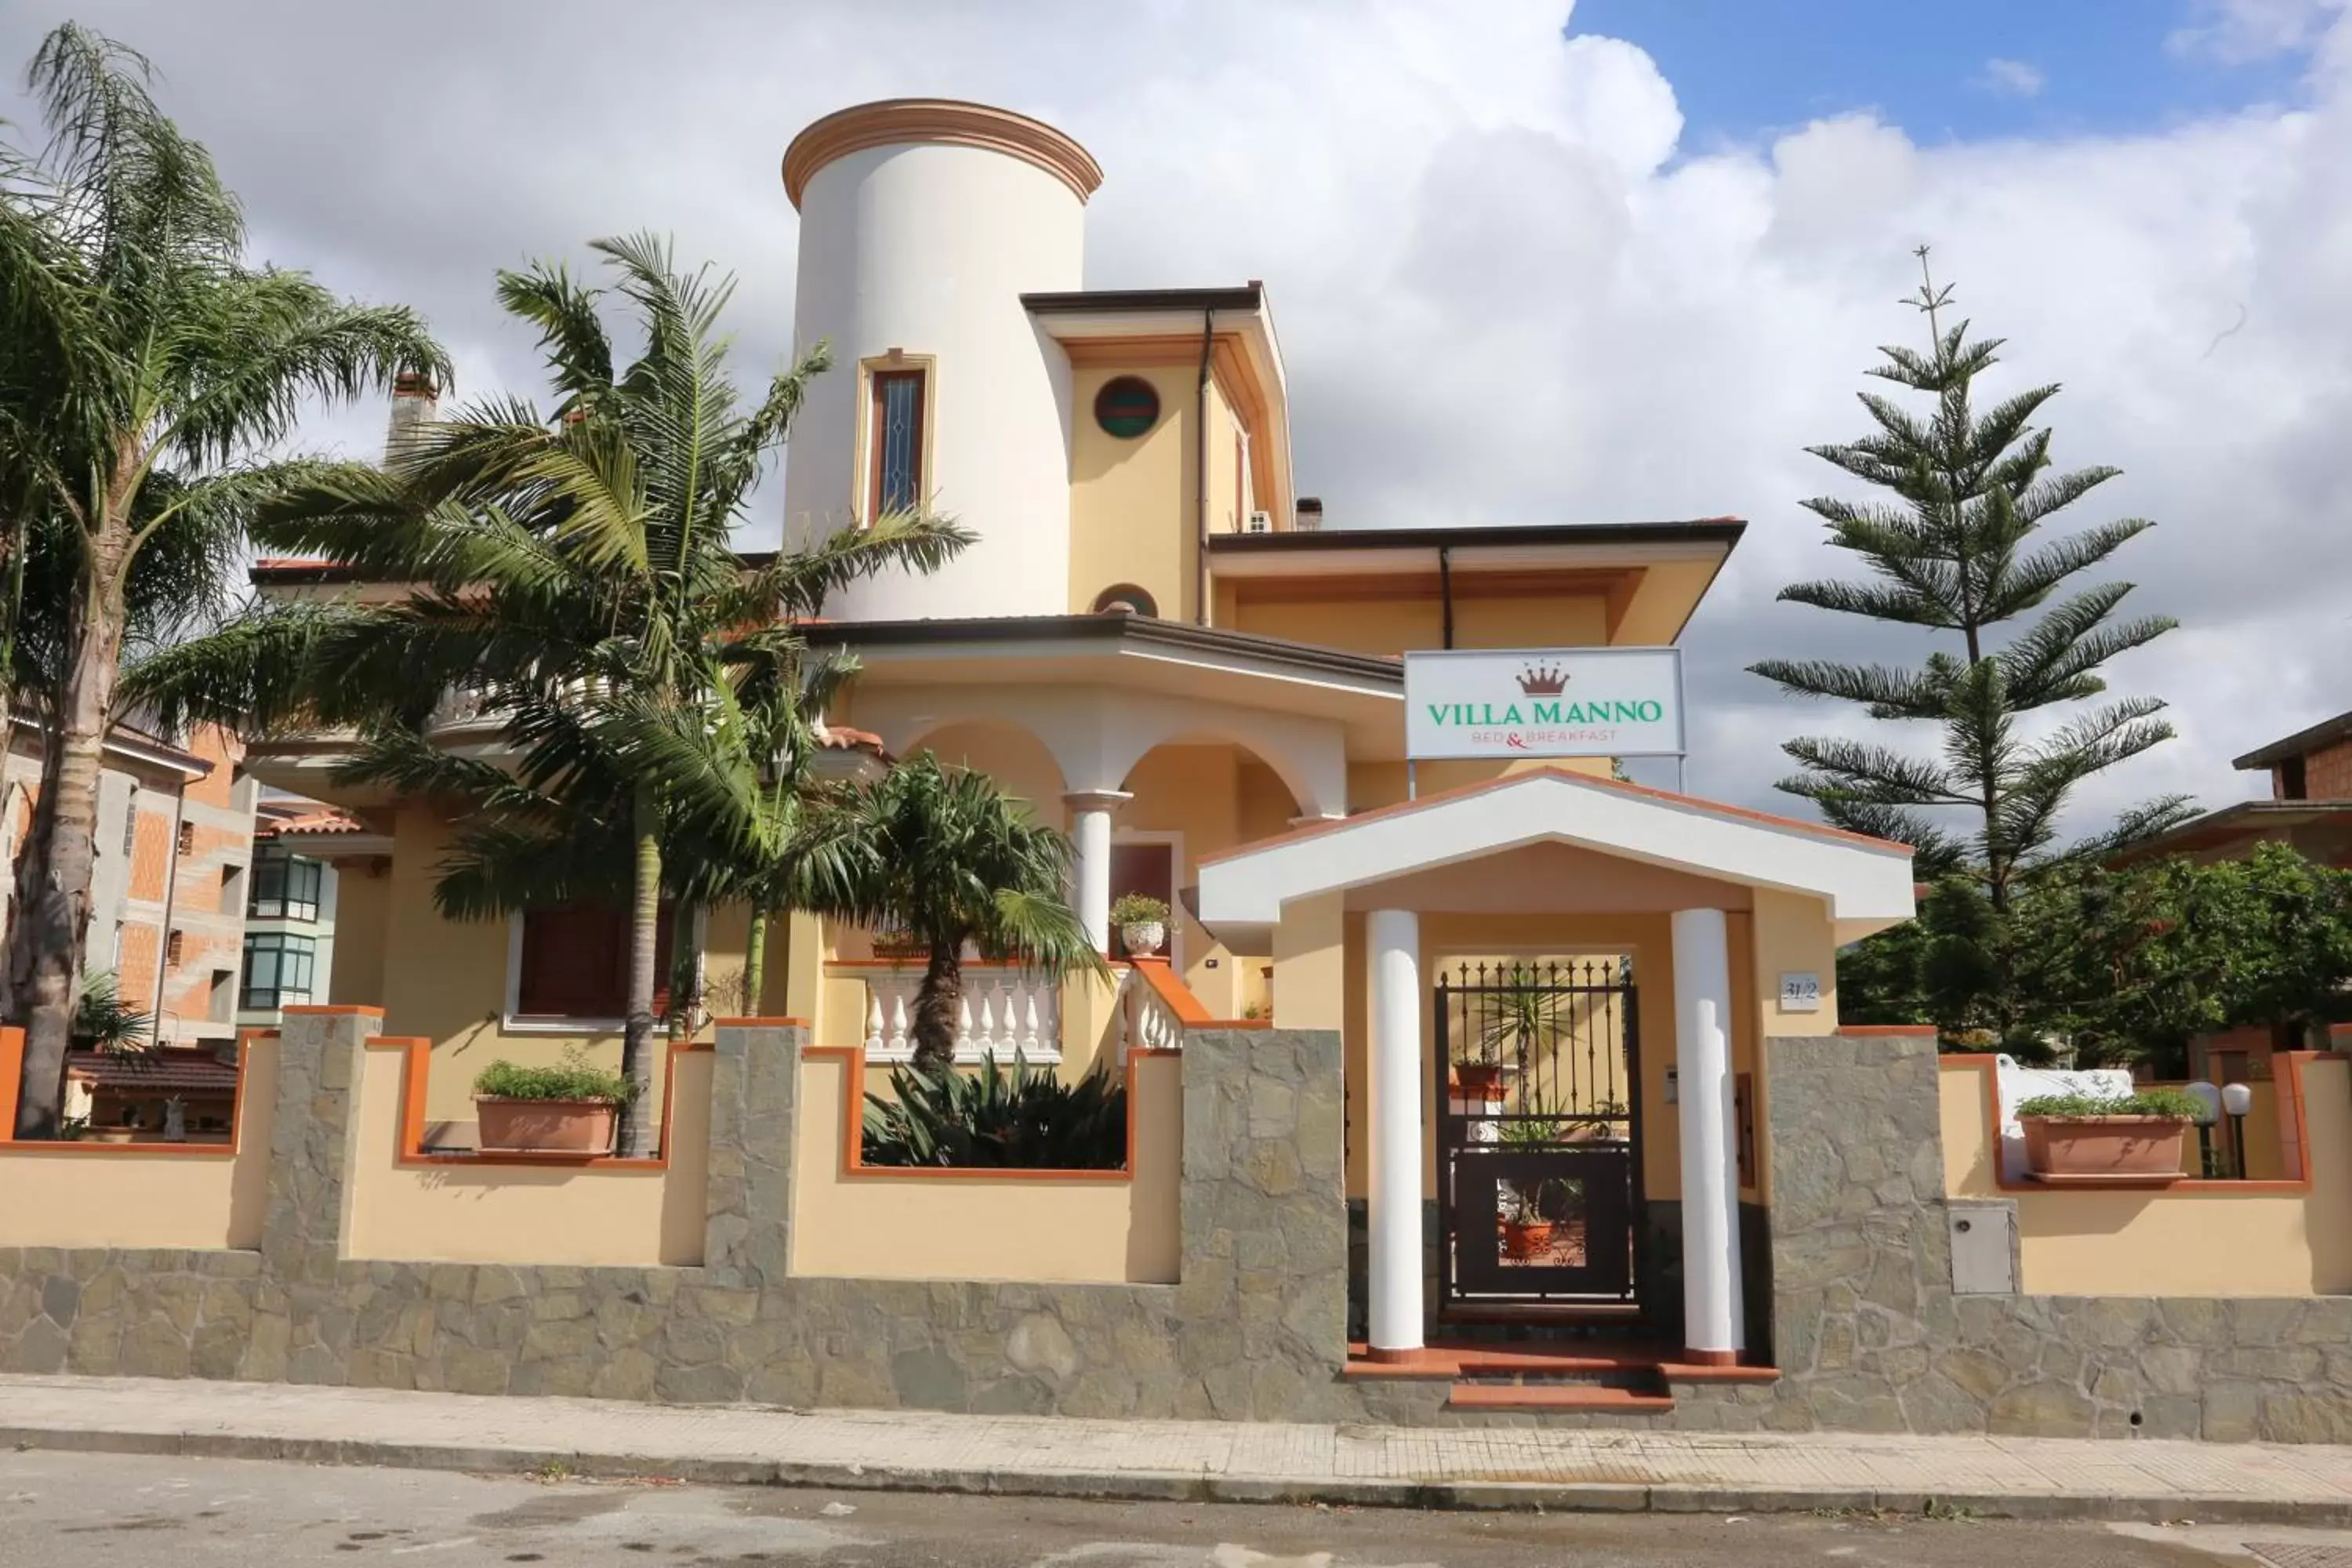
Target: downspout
<point x="1200" y="477"/>
<point x="1445" y="587"/>
<point x="171" y="898"/>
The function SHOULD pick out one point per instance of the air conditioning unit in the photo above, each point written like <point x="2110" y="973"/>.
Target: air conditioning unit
<point x="1260" y="522"/>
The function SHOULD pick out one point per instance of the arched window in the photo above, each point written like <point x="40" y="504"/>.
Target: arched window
<point x="1128" y="598"/>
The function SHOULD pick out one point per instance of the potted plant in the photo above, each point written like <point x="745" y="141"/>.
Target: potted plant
<point x="1527" y="1229"/>
<point x="571" y="1108"/>
<point x="2132" y="1136"/>
<point x="1142" y="922"/>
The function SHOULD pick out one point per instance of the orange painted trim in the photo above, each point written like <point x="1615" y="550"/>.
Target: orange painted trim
<point x="2295" y="1130"/>
<point x="12" y="1071"/>
<point x="759" y="1023"/>
<point x="1868" y="1031"/>
<point x="1160" y="976"/>
<point x="1710" y="1359"/>
<point x="1237" y="1023"/>
<point x="416" y="1075"/>
<point x="344" y="1010"/>
<point x="12" y="1077"/>
<point x="853" y="1132"/>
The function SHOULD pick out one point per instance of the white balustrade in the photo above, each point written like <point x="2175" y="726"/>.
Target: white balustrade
<point x="1002" y="1012"/>
<point x="1146" y="1021"/>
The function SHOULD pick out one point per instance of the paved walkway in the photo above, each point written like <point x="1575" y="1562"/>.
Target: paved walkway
<point x="1436" y="1467"/>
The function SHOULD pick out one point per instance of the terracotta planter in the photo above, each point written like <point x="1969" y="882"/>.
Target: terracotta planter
<point x="2103" y="1145"/>
<point x="1521" y="1242"/>
<point x="546" y="1126"/>
<point x="1476" y="1081"/>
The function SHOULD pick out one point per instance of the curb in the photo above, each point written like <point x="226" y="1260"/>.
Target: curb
<point x="1168" y="1486"/>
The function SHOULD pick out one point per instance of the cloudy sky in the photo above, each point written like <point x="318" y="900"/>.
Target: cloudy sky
<point x="1530" y="263"/>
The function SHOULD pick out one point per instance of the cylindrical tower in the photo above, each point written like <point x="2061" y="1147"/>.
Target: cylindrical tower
<point x="923" y="221"/>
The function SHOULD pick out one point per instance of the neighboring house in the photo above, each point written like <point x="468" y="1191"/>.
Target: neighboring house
<point x="289" y="919"/>
<point x="2310" y="810"/>
<point x="168" y="891"/>
<point x="171" y="1094"/>
<point x="1156" y="642"/>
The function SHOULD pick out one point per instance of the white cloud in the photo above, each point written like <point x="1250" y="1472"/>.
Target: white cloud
<point x="1503" y="296"/>
<point x="2013" y="79"/>
<point x="2238" y="32"/>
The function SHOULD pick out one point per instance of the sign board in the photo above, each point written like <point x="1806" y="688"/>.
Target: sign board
<point x="1800" y="991"/>
<point x="1544" y="702"/>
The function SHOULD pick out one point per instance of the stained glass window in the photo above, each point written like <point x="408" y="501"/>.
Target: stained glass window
<point x="897" y="441"/>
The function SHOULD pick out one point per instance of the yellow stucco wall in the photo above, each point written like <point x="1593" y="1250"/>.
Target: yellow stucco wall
<point x="1038" y="1227"/>
<point x="362" y="908"/>
<point x="447" y="981"/>
<point x="1132" y="517"/>
<point x="518" y="1213"/>
<point x="1368" y="622"/>
<point x="2218" y="1238"/>
<point x="130" y="1194"/>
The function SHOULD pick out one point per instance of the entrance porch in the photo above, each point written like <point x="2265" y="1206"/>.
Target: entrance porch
<point x="1551" y="990"/>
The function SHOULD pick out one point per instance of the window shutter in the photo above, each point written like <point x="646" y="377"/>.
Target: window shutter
<point x="575" y="963"/>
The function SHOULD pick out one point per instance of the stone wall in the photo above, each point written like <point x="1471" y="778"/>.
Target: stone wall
<point x="1867" y="1332"/>
<point x="1254" y="1330"/>
<point x="1870" y="1336"/>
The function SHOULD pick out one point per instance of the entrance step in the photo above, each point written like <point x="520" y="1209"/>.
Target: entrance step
<point x="1600" y="1397"/>
<point x="1562" y="1374"/>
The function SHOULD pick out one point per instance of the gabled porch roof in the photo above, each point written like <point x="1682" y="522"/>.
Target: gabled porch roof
<point x="1866" y="883"/>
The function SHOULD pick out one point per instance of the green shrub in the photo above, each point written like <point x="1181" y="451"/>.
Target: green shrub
<point x="2172" y="1103"/>
<point x="991" y="1119"/>
<point x="574" y="1078"/>
<point x="1138" y="909"/>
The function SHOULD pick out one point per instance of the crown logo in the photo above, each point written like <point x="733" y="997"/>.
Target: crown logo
<point x="1542" y="680"/>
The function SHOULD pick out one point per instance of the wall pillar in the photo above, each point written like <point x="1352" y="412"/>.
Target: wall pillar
<point x="1393" y="1211"/>
<point x="1090" y="811"/>
<point x="1713" y="1317"/>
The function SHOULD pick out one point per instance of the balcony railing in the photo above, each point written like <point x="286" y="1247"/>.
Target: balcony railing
<point x="1003" y="1012"/>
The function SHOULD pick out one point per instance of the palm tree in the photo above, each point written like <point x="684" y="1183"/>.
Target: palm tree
<point x="173" y="369"/>
<point x="944" y="854"/>
<point x="569" y="576"/>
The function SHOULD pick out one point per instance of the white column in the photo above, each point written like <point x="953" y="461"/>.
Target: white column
<point x="1713" y="1317"/>
<point x="1394" y="1209"/>
<point x="1090" y="811"/>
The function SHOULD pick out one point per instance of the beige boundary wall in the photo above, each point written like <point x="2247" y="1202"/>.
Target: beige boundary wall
<point x="853" y="1221"/>
<point x="2291" y="1236"/>
<point x="142" y="1194"/>
<point x="407" y="1203"/>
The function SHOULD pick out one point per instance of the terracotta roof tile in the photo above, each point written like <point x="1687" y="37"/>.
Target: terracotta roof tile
<point x="169" y="1068"/>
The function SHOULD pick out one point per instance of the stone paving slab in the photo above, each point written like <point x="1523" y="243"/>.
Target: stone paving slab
<point x="1476" y="1467"/>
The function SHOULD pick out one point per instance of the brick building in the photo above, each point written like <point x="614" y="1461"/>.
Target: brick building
<point x="2309" y="806"/>
<point x="169" y="889"/>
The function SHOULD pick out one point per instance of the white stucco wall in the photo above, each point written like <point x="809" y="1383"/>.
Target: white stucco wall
<point x="928" y="248"/>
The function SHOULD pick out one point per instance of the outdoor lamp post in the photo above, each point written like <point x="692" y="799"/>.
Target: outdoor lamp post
<point x="2208" y="1111"/>
<point x="2237" y="1098"/>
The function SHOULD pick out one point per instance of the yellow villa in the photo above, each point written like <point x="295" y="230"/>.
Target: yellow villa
<point x="1160" y="645"/>
<point x="1468" y="1080"/>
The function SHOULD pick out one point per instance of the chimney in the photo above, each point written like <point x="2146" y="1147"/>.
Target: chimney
<point x="415" y="403"/>
<point x="1309" y="514"/>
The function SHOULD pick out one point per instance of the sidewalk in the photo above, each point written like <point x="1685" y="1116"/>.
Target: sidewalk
<point x="1484" y="1467"/>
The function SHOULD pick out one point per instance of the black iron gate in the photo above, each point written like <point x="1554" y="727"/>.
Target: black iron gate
<point x="1538" y="1131"/>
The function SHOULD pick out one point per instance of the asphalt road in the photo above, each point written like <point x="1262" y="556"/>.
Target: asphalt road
<point x="69" y="1511"/>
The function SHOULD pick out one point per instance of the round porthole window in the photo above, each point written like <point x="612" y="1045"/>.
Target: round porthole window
<point x="1127" y="407"/>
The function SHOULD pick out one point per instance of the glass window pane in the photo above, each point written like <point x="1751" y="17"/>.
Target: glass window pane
<point x="898" y="439"/>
